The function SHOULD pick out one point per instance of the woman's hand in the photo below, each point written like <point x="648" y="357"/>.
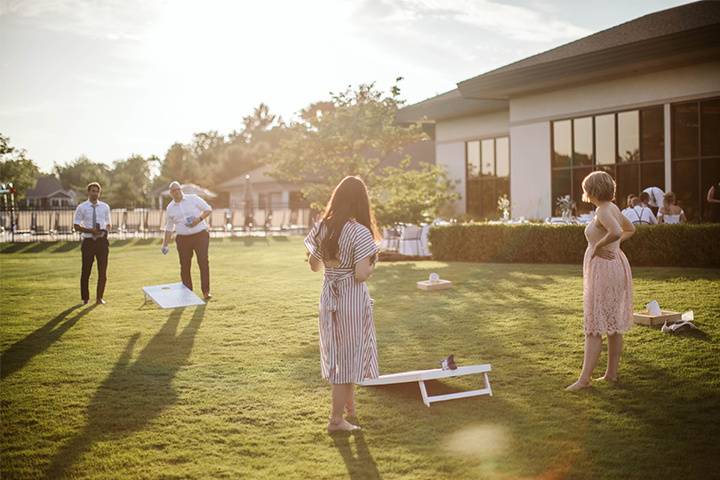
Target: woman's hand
<point x="602" y="253"/>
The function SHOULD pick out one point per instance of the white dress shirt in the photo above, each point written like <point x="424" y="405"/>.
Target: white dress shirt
<point x="656" y="196"/>
<point x="179" y="214"/>
<point x="638" y="215"/>
<point x="84" y="216"/>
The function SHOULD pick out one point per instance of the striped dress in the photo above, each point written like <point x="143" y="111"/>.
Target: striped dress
<point x="348" y="348"/>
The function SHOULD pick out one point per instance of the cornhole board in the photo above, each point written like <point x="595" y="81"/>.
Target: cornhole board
<point x="171" y="295"/>
<point x="420" y="376"/>
<point x="437" y="285"/>
<point x="644" y="318"/>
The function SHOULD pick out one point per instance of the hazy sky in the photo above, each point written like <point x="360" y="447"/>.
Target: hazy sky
<point x="116" y="77"/>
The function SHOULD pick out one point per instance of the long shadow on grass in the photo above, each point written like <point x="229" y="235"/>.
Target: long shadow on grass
<point x="21" y="352"/>
<point x="361" y="465"/>
<point x="134" y="393"/>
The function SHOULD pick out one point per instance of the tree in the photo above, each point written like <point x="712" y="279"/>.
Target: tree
<point x="349" y="135"/>
<point x="16" y="168"/>
<point x="130" y="182"/>
<point x="402" y="195"/>
<point x="77" y="174"/>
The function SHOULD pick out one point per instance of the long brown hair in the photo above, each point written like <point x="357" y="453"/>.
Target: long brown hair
<point x="348" y="201"/>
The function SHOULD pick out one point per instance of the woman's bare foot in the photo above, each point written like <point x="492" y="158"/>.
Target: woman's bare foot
<point x="341" y="426"/>
<point x="579" y="385"/>
<point x="605" y="378"/>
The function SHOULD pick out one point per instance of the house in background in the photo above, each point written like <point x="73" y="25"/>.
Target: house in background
<point x="48" y="193"/>
<point x="640" y="100"/>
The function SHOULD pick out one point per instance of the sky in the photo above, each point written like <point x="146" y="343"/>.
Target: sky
<point x="112" y="78"/>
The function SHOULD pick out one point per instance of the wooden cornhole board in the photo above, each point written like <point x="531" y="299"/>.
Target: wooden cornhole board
<point x="171" y="295"/>
<point x="420" y="376"/>
<point x="436" y="285"/>
<point x="644" y="318"/>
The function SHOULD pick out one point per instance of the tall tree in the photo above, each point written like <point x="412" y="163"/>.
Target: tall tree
<point x="77" y="174"/>
<point x="16" y="168"/>
<point x="349" y="135"/>
<point x="131" y="182"/>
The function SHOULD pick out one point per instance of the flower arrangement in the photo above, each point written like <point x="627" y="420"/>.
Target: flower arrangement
<point x="566" y="206"/>
<point x="503" y="204"/>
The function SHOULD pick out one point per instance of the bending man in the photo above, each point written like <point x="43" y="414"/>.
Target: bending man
<point x="186" y="216"/>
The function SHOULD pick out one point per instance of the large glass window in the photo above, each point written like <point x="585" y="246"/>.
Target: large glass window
<point x="628" y="145"/>
<point x="605" y="139"/>
<point x="695" y="155"/>
<point x="488" y="175"/>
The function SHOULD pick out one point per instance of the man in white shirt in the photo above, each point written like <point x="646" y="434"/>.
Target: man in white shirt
<point x="639" y="214"/>
<point x="654" y="197"/>
<point x="92" y="220"/>
<point x="186" y="216"/>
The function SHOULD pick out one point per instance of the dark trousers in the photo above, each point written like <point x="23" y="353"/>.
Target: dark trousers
<point x="197" y="243"/>
<point x="92" y="249"/>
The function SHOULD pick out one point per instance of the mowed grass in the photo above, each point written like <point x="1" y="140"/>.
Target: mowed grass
<point x="233" y="390"/>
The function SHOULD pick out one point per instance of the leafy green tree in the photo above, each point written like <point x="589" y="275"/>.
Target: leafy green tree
<point x="131" y="182"/>
<point x="15" y="167"/>
<point x="404" y="195"/>
<point x="77" y="174"/>
<point x="349" y="135"/>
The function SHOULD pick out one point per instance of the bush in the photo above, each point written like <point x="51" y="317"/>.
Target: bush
<point x="688" y="245"/>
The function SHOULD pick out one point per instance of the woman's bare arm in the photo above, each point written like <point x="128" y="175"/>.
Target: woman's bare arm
<point x="364" y="268"/>
<point x="628" y="229"/>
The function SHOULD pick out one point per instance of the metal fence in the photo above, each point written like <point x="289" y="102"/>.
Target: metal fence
<point x="53" y="225"/>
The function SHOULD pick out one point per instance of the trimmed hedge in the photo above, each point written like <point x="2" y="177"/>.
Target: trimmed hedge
<point x="687" y="245"/>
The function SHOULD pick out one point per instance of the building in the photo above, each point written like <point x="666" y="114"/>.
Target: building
<point x="640" y="100"/>
<point x="48" y="193"/>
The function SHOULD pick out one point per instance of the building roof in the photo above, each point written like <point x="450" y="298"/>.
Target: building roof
<point x="665" y="39"/>
<point x="48" y="186"/>
<point x="447" y="105"/>
<point x="676" y="36"/>
<point x="260" y="174"/>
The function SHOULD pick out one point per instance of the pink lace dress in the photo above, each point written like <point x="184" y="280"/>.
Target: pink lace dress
<point x="607" y="287"/>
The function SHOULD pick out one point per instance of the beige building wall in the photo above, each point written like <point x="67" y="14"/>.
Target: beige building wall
<point x="451" y="156"/>
<point x="655" y="88"/>
<point x="492" y="124"/>
<point x="530" y="171"/>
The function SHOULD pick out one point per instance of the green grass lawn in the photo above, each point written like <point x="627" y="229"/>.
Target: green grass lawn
<point x="233" y="390"/>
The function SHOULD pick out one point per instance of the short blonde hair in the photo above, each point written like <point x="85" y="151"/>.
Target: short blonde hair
<point x="670" y="198"/>
<point x="598" y="185"/>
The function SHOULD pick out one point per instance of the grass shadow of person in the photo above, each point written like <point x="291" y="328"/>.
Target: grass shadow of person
<point x="20" y="353"/>
<point x="67" y="247"/>
<point x="133" y="394"/>
<point x="360" y="465"/>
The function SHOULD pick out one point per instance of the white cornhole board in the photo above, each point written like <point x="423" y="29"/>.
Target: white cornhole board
<point x="171" y="295"/>
<point x="420" y="376"/>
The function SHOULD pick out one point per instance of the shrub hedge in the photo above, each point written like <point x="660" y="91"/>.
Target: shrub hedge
<point x="687" y="245"/>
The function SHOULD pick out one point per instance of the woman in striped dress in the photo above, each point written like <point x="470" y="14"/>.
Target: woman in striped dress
<point x="344" y="244"/>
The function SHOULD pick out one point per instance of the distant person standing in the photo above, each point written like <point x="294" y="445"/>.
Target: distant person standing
<point x="670" y="213"/>
<point x="637" y="213"/>
<point x="713" y="198"/>
<point x="654" y="198"/>
<point x="186" y="216"/>
<point x="92" y="220"/>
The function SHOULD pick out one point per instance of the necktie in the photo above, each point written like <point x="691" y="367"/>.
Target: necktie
<point x="94" y="218"/>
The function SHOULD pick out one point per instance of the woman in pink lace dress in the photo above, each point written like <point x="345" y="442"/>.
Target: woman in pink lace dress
<point x="607" y="279"/>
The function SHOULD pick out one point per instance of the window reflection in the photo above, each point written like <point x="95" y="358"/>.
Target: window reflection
<point x="628" y="136"/>
<point x="605" y="139"/>
<point x="473" y="159"/>
<point x="685" y="130"/>
<point x="502" y="146"/>
<point x="562" y="144"/>
<point x="653" y="133"/>
<point x="582" y="141"/>
<point x="488" y="157"/>
<point x="710" y="122"/>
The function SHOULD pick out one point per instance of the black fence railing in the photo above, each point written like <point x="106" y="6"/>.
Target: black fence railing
<point x="57" y="224"/>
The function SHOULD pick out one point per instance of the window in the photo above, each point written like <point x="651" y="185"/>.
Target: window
<point x="628" y="145"/>
<point x="487" y="165"/>
<point x="695" y="155"/>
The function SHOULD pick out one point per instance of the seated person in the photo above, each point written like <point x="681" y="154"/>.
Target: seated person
<point x="638" y="213"/>
<point x="670" y="213"/>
